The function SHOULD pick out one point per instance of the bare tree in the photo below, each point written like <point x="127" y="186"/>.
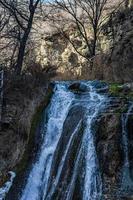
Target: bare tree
<point x="87" y="16"/>
<point x="22" y="13"/>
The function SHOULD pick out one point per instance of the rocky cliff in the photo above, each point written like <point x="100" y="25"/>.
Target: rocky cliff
<point x="114" y="142"/>
<point x="21" y="112"/>
<point x="109" y="148"/>
<point x="120" y="36"/>
<point x="113" y="61"/>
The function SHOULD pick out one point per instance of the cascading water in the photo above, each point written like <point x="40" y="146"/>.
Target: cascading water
<point x="58" y="110"/>
<point x="127" y="182"/>
<point x="5" y="189"/>
<point x="66" y="167"/>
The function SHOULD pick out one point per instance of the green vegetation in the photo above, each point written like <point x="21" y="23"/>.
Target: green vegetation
<point x="115" y="89"/>
<point x="118" y="90"/>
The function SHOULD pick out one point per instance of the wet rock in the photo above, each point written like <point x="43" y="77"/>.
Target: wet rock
<point x="109" y="148"/>
<point x="130" y="139"/>
<point x="78" y="87"/>
<point x="124" y="88"/>
<point x="52" y="84"/>
<point x="74" y="118"/>
<point x="103" y="90"/>
<point x="74" y="86"/>
<point x="99" y="85"/>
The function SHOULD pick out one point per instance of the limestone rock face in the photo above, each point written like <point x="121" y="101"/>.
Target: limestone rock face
<point x="113" y="60"/>
<point x="55" y="50"/>
<point x="120" y="59"/>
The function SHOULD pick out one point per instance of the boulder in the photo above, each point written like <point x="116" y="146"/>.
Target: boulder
<point x="99" y="85"/>
<point x="78" y="87"/>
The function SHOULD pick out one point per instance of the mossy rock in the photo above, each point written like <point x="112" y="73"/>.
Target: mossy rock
<point x="114" y="88"/>
<point x="119" y="90"/>
<point x="21" y="166"/>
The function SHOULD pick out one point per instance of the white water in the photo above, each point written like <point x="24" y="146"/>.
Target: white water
<point x="127" y="182"/>
<point x="5" y="189"/>
<point x="92" y="175"/>
<point x="59" y="108"/>
<point x="61" y="164"/>
<point x="40" y="172"/>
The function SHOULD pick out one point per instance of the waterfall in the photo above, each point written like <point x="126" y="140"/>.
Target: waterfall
<point x="58" y="110"/>
<point x="66" y="166"/>
<point x="93" y="182"/>
<point x="127" y="182"/>
<point x="5" y="189"/>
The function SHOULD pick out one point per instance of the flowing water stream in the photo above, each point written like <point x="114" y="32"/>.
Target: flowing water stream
<point x="127" y="182"/>
<point x="66" y="166"/>
<point x="5" y="189"/>
<point x="67" y="158"/>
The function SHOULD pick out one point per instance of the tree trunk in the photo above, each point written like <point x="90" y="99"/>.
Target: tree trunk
<point x="93" y="47"/>
<point x="94" y="43"/>
<point x="21" y="54"/>
<point x="23" y="43"/>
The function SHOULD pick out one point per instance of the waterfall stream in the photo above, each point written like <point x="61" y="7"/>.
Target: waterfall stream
<point x="41" y="168"/>
<point x="47" y="179"/>
<point x="66" y="166"/>
<point x="5" y="189"/>
<point x="127" y="182"/>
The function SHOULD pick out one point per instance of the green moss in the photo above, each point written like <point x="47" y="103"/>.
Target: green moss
<point x="116" y="89"/>
<point x="35" y="121"/>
